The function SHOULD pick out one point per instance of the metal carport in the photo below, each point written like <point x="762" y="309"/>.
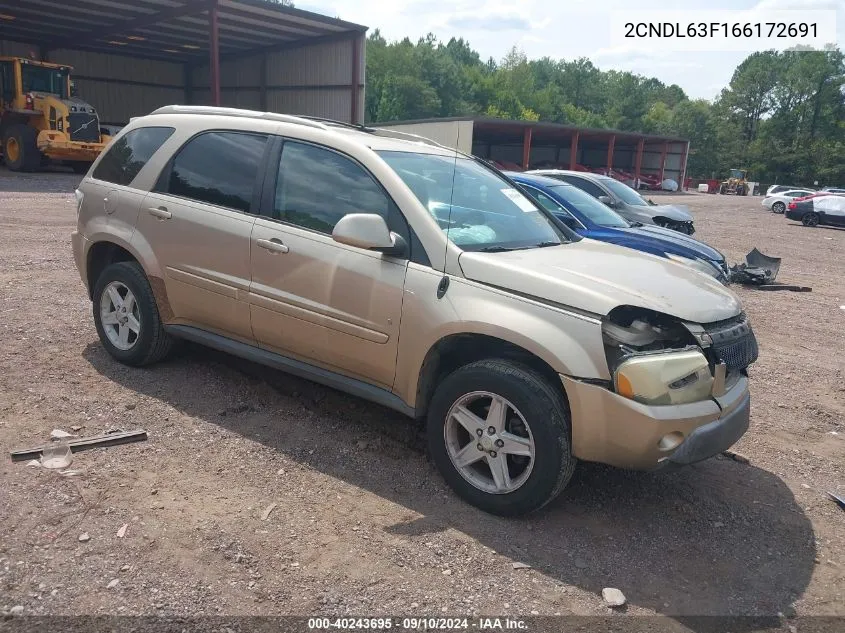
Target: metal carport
<point x="130" y="58"/>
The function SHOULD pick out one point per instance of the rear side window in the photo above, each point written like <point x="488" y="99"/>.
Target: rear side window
<point x="585" y="185"/>
<point x="317" y="187"/>
<point x="219" y="168"/>
<point x="130" y="153"/>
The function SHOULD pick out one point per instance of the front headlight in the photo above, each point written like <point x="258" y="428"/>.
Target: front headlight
<point x="699" y="264"/>
<point x="678" y="377"/>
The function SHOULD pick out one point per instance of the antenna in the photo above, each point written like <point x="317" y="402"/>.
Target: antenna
<point x="444" y="282"/>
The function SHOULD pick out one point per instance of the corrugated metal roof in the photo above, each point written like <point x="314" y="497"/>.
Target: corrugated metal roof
<point x="174" y="30"/>
<point x="550" y="128"/>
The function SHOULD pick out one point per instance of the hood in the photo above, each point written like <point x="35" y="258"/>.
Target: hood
<point x="676" y="212"/>
<point x="674" y="242"/>
<point x="598" y="277"/>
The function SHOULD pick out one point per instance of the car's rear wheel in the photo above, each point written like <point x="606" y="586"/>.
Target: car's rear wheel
<point x="126" y="316"/>
<point x="810" y="219"/>
<point x="500" y="435"/>
<point x="778" y="207"/>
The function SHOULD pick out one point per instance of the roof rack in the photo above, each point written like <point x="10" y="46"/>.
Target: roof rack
<point x="319" y="119"/>
<point x="407" y="136"/>
<point x="237" y="112"/>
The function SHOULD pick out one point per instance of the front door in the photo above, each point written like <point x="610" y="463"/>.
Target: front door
<point x="198" y="222"/>
<point x="335" y="305"/>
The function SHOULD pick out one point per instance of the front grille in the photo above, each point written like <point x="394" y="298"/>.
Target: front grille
<point x="734" y="342"/>
<point x="84" y="127"/>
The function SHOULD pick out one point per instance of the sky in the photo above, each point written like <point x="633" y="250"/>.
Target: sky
<point x="565" y="29"/>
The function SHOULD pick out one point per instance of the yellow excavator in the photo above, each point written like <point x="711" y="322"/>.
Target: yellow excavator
<point x="41" y="120"/>
<point x="736" y="184"/>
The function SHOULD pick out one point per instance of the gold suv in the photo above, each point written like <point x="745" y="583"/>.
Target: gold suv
<point x="395" y="269"/>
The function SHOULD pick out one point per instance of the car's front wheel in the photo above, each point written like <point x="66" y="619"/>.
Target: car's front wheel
<point x="126" y="316"/>
<point x="500" y="435"/>
<point x="810" y="219"/>
<point x="778" y="207"/>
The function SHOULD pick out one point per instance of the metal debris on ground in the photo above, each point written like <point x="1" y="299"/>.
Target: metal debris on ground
<point x="83" y="443"/>
<point x="521" y="566"/>
<point x="266" y="514"/>
<point x="121" y="531"/>
<point x="58" y="434"/>
<point x="838" y="499"/>
<point x="760" y="271"/>
<point x="56" y="456"/>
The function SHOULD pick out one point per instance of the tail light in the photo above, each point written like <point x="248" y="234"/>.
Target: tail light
<point x="30" y="102"/>
<point x="792" y="205"/>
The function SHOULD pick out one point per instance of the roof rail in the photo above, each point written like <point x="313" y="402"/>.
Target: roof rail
<point x="320" y="119"/>
<point x="237" y="112"/>
<point x="407" y="136"/>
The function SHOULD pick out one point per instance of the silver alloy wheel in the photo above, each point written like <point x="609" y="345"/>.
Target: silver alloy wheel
<point x="120" y="316"/>
<point x="489" y="442"/>
<point x="778" y="207"/>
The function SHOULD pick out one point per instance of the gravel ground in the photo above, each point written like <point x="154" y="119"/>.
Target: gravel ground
<point x="362" y="524"/>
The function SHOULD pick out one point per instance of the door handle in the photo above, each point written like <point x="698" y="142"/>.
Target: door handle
<point x="274" y="246"/>
<point x="160" y="212"/>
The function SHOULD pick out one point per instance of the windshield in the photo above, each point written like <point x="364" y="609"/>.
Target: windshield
<point x="41" y="79"/>
<point x="624" y="192"/>
<point x="589" y="206"/>
<point x="486" y="212"/>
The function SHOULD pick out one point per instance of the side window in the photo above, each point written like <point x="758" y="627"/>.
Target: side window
<point x="130" y="153"/>
<point x="591" y="188"/>
<point x="7" y="81"/>
<point x="317" y="187"/>
<point x="545" y="201"/>
<point x="219" y="168"/>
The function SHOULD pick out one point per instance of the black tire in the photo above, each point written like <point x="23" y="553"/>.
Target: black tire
<point x="547" y="414"/>
<point x="778" y="207"/>
<point x="810" y="219"/>
<point x="740" y="190"/>
<point x="28" y="157"/>
<point x="152" y="343"/>
<point x="722" y="189"/>
<point x="80" y="167"/>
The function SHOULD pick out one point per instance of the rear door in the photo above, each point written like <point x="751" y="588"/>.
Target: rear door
<point x="312" y="298"/>
<point x="198" y="221"/>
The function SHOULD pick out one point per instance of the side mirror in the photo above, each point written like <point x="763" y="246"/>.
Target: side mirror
<point x="368" y="231"/>
<point x="607" y="200"/>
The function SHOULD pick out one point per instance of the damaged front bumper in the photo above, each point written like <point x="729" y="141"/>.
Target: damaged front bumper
<point x="611" y="429"/>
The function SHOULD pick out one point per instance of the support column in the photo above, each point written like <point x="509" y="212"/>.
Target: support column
<point x="526" y="147"/>
<point x="262" y="94"/>
<point x="355" y="92"/>
<point x="573" y="150"/>
<point x="188" y="81"/>
<point x="639" y="160"/>
<point x="663" y="160"/>
<point x="214" y="55"/>
<point x="610" y="147"/>
<point x="683" y="169"/>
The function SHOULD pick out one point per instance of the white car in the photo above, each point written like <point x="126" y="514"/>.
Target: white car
<point x="777" y="203"/>
<point x="781" y="189"/>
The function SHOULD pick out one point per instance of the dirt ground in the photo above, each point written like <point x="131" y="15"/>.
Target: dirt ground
<point x="362" y="523"/>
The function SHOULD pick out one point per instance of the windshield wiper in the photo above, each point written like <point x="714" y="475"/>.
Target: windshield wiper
<point x="545" y="244"/>
<point x="495" y="249"/>
<point x="636" y="225"/>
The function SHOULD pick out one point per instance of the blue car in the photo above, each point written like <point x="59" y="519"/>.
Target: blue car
<point x="590" y="218"/>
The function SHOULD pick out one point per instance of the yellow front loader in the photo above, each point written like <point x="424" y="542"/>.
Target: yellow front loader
<point x="42" y="121"/>
<point x="736" y="184"/>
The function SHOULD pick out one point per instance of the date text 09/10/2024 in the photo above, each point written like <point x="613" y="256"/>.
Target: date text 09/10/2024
<point x="417" y="624"/>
